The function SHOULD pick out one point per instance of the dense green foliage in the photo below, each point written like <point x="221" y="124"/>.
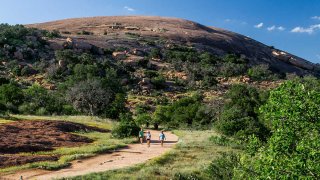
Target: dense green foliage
<point x="261" y="72"/>
<point x="293" y="150"/>
<point x="239" y="115"/>
<point x="222" y="167"/>
<point x="126" y="127"/>
<point x="186" y="112"/>
<point x="40" y="101"/>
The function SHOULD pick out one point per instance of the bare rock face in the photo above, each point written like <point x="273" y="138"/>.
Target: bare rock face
<point x="172" y="31"/>
<point x="296" y="61"/>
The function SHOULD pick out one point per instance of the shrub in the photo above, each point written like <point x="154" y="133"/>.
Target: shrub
<point x="126" y="127"/>
<point x="155" y="53"/>
<point x="220" y="140"/>
<point x="27" y="71"/>
<point x="4" y="80"/>
<point x="117" y="106"/>
<point x="41" y="111"/>
<point x="181" y="113"/>
<point x="222" y="167"/>
<point x="185" y="176"/>
<point x="239" y="116"/>
<point x="159" y="82"/>
<point x="40" y="101"/>
<point x="260" y="72"/>
<point x="3" y="109"/>
<point x="292" y="152"/>
<point x="235" y="59"/>
<point x="229" y="69"/>
<point x="151" y="73"/>
<point x="83" y="32"/>
<point x="52" y="34"/>
<point x="10" y="93"/>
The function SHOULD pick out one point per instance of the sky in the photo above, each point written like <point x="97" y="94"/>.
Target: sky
<point x="290" y="25"/>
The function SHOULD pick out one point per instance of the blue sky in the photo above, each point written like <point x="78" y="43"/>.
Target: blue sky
<point x="291" y="25"/>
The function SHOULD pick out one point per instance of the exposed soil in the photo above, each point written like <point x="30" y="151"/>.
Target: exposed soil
<point x="131" y="155"/>
<point x="16" y="160"/>
<point x="34" y="136"/>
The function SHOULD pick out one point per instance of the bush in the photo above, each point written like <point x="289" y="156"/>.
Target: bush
<point x="185" y="176"/>
<point x="4" y="80"/>
<point x="3" y="109"/>
<point x="40" y="101"/>
<point x="181" y="113"/>
<point x="159" y="82"/>
<point x="220" y="140"/>
<point x="260" y="72"/>
<point x="151" y="73"/>
<point x="10" y="93"/>
<point x="27" y="71"/>
<point x="222" y="167"/>
<point x="52" y="34"/>
<point x="155" y="53"/>
<point x="292" y="152"/>
<point x="229" y="69"/>
<point x="117" y="106"/>
<point x="239" y="116"/>
<point x="126" y="127"/>
<point x="83" y="32"/>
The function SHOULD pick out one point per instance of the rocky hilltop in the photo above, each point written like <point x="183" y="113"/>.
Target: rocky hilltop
<point x="143" y="32"/>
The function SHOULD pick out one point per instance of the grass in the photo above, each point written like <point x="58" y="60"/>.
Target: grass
<point x="189" y="159"/>
<point x="103" y="142"/>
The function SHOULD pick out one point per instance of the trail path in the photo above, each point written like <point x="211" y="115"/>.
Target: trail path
<point x="131" y="155"/>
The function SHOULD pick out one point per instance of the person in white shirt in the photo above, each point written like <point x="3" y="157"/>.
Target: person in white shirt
<point x="148" y="137"/>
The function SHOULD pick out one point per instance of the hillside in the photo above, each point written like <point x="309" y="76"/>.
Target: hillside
<point x="137" y="31"/>
<point x="219" y="91"/>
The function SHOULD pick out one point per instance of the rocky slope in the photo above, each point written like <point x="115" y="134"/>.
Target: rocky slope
<point x="142" y="33"/>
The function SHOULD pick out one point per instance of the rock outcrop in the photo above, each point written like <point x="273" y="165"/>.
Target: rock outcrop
<point x="145" y="31"/>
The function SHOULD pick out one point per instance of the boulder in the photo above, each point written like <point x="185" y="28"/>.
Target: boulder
<point x="288" y="58"/>
<point x="119" y="55"/>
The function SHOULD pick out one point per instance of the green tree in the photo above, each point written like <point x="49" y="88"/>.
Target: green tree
<point x="89" y="96"/>
<point x="293" y="151"/>
<point x="239" y="115"/>
<point x="11" y="93"/>
<point x="126" y="127"/>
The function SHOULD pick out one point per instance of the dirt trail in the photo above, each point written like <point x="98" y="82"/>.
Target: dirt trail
<point x="131" y="155"/>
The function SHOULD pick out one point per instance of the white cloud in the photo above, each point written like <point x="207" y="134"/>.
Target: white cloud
<point x="316" y="17"/>
<point x="308" y="30"/>
<point x="281" y="28"/>
<point x="129" y="8"/>
<point x="271" y="28"/>
<point x="227" y="20"/>
<point x="318" y="56"/>
<point x="259" y="25"/>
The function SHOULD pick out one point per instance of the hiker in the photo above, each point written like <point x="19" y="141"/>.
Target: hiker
<point x="162" y="137"/>
<point x="141" y="135"/>
<point x="148" y="136"/>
